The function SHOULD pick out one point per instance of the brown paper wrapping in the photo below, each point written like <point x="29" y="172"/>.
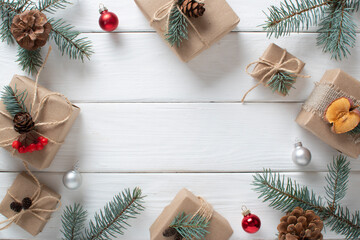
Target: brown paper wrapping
<point x="187" y="202"/>
<point x="25" y="186"/>
<point x="322" y="129"/>
<point x="218" y="20"/>
<point x="56" y="109"/>
<point x="273" y="54"/>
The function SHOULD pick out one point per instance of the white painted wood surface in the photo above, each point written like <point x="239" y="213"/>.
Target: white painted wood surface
<point x="152" y="121"/>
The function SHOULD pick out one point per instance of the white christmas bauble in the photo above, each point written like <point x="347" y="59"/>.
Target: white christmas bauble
<point x="301" y="155"/>
<point x="72" y="179"/>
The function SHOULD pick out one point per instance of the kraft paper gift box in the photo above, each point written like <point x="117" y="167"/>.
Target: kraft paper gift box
<point x="56" y="109"/>
<point x="185" y="201"/>
<point x="218" y="20"/>
<point x="25" y="186"/>
<point x="333" y="85"/>
<point x="273" y="54"/>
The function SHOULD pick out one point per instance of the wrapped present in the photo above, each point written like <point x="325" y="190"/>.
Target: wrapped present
<point x="187" y="203"/>
<point x="29" y="204"/>
<point x="274" y="61"/>
<point x="218" y="20"/>
<point x="52" y="117"/>
<point x="335" y="84"/>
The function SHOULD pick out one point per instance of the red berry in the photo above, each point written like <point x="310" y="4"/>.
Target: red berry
<point x="22" y="149"/>
<point x="16" y="144"/>
<point x="28" y="149"/>
<point x="32" y="147"/>
<point x="39" y="138"/>
<point x="39" y="146"/>
<point x="44" y="141"/>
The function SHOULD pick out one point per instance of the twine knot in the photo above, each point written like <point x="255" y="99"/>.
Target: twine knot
<point x="272" y="68"/>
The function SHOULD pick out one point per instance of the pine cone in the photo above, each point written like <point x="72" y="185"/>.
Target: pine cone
<point x="16" y="206"/>
<point x="169" y="232"/>
<point x="26" y="203"/>
<point x="23" y="123"/>
<point x="192" y="8"/>
<point x="300" y="225"/>
<point x="30" y="29"/>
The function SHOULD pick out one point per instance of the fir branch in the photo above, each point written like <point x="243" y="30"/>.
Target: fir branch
<point x="178" y="27"/>
<point x="337" y="31"/>
<point x="112" y="219"/>
<point x="65" y="37"/>
<point x="29" y="60"/>
<point x="285" y="194"/>
<point x="282" y="82"/>
<point x="293" y="16"/>
<point x="5" y="33"/>
<point x="73" y="221"/>
<point x="13" y="100"/>
<point x="337" y="181"/>
<point x="345" y="223"/>
<point x="190" y="227"/>
<point x="51" y="6"/>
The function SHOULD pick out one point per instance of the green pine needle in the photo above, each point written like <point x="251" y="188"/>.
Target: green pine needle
<point x="190" y="227"/>
<point x="68" y="42"/>
<point x="51" y="6"/>
<point x="178" y="27"/>
<point x="112" y="219"/>
<point x="337" y="180"/>
<point x="5" y="33"/>
<point x="282" y="82"/>
<point x="337" y="33"/>
<point x="293" y="16"/>
<point x="355" y="130"/>
<point x="29" y="61"/>
<point x="13" y="100"/>
<point x="285" y="194"/>
<point x="73" y="221"/>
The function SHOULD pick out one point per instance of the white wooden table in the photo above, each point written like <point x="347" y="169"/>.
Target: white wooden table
<point x="149" y="120"/>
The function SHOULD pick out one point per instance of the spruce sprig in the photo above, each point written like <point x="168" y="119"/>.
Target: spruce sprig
<point x="355" y="130"/>
<point x="29" y="60"/>
<point x="73" y="221"/>
<point x="282" y="82"/>
<point x="178" y="27"/>
<point x="337" y="30"/>
<point x="66" y="38"/>
<point x="285" y="194"/>
<point x="13" y="100"/>
<point x="51" y="6"/>
<point x="113" y="218"/>
<point x="190" y="227"/>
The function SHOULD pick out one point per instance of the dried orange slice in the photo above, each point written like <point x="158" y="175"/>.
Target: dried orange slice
<point x="343" y="115"/>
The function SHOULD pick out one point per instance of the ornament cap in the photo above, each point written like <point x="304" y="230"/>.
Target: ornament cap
<point x="298" y="144"/>
<point x="102" y="8"/>
<point x="245" y="211"/>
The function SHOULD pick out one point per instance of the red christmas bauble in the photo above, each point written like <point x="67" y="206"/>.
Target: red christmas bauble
<point x="108" y="21"/>
<point x="250" y="223"/>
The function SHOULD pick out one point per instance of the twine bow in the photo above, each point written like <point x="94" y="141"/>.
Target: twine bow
<point x="164" y="12"/>
<point x="38" y="111"/>
<point x="34" y="209"/>
<point x="273" y="68"/>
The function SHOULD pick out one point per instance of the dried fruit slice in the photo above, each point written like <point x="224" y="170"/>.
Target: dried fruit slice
<point x="342" y="114"/>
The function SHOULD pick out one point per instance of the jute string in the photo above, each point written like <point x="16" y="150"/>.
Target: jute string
<point x="273" y="68"/>
<point x="322" y="96"/>
<point x="205" y="211"/>
<point x="164" y="12"/>
<point x="36" y="113"/>
<point x="34" y="209"/>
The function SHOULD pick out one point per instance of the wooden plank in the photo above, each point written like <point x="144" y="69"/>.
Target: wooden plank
<point x="139" y="67"/>
<point x="185" y="138"/>
<point x="84" y="15"/>
<point x="226" y="192"/>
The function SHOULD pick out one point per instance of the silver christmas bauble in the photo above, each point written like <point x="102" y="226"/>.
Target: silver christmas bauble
<point x="301" y="155"/>
<point x="72" y="179"/>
